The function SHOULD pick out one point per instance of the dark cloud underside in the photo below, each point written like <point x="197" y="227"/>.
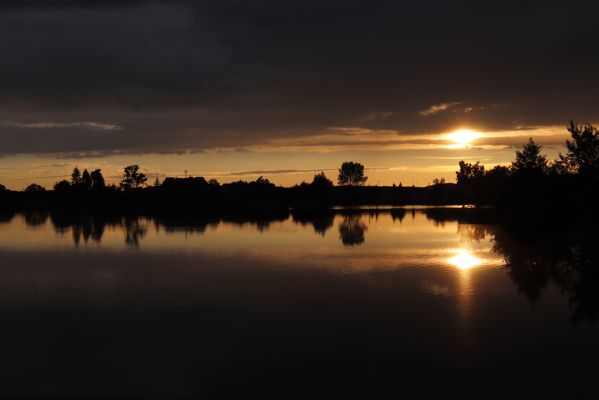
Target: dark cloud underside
<point x="178" y="75"/>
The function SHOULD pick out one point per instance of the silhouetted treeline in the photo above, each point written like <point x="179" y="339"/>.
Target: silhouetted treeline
<point x="198" y="196"/>
<point x="532" y="183"/>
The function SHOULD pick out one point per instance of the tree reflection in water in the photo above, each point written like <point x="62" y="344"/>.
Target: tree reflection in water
<point x="85" y="228"/>
<point x="35" y="219"/>
<point x="135" y="229"/>
<point x="535" y="259"/>
<point x="352" y="230"/>
<point x="321" y="221"/>
<point x="568" y="260"/>
<point x="6" y="216"/>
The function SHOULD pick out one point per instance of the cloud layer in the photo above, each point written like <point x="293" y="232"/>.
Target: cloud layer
<point x="181" y="75"/>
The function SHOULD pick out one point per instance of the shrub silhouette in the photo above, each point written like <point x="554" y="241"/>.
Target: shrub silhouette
<point x="35" y="188"/>
<point x="62" y="186"/>
<point x="321" y="181"/>
<point x="261" y="181"/>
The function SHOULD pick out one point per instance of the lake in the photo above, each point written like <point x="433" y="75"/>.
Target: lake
<point x="402" y="302"/>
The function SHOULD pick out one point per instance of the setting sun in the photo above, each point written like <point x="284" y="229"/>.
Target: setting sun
<point x="463" y="136"/>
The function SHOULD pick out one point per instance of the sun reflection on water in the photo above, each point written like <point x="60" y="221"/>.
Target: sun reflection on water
<point x="464" y="260"/>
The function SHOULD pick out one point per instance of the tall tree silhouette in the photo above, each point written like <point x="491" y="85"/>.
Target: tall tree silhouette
<point x="351" y="174"/>
<point x="86" y="180"/>
<point x="583" y="150"/>
<point x="132" y="178"/>
<point x="76" y="177"/>
<point x="529" y="160"/>
<point x="97" y="179"/>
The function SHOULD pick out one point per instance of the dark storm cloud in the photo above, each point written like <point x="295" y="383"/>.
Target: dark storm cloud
<point x="189" y="75"/>
<point x="22" y="4"/>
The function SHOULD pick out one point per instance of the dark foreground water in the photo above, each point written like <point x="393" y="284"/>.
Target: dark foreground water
<point x="401" y="303"/>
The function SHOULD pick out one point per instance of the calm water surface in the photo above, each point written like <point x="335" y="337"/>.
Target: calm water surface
<point x="408" y="303"/>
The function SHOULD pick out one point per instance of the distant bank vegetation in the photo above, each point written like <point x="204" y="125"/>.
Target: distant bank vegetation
<point x="530" y="181"/>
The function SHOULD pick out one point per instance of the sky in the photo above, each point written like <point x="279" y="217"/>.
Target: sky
<point x="284" y="89"/>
